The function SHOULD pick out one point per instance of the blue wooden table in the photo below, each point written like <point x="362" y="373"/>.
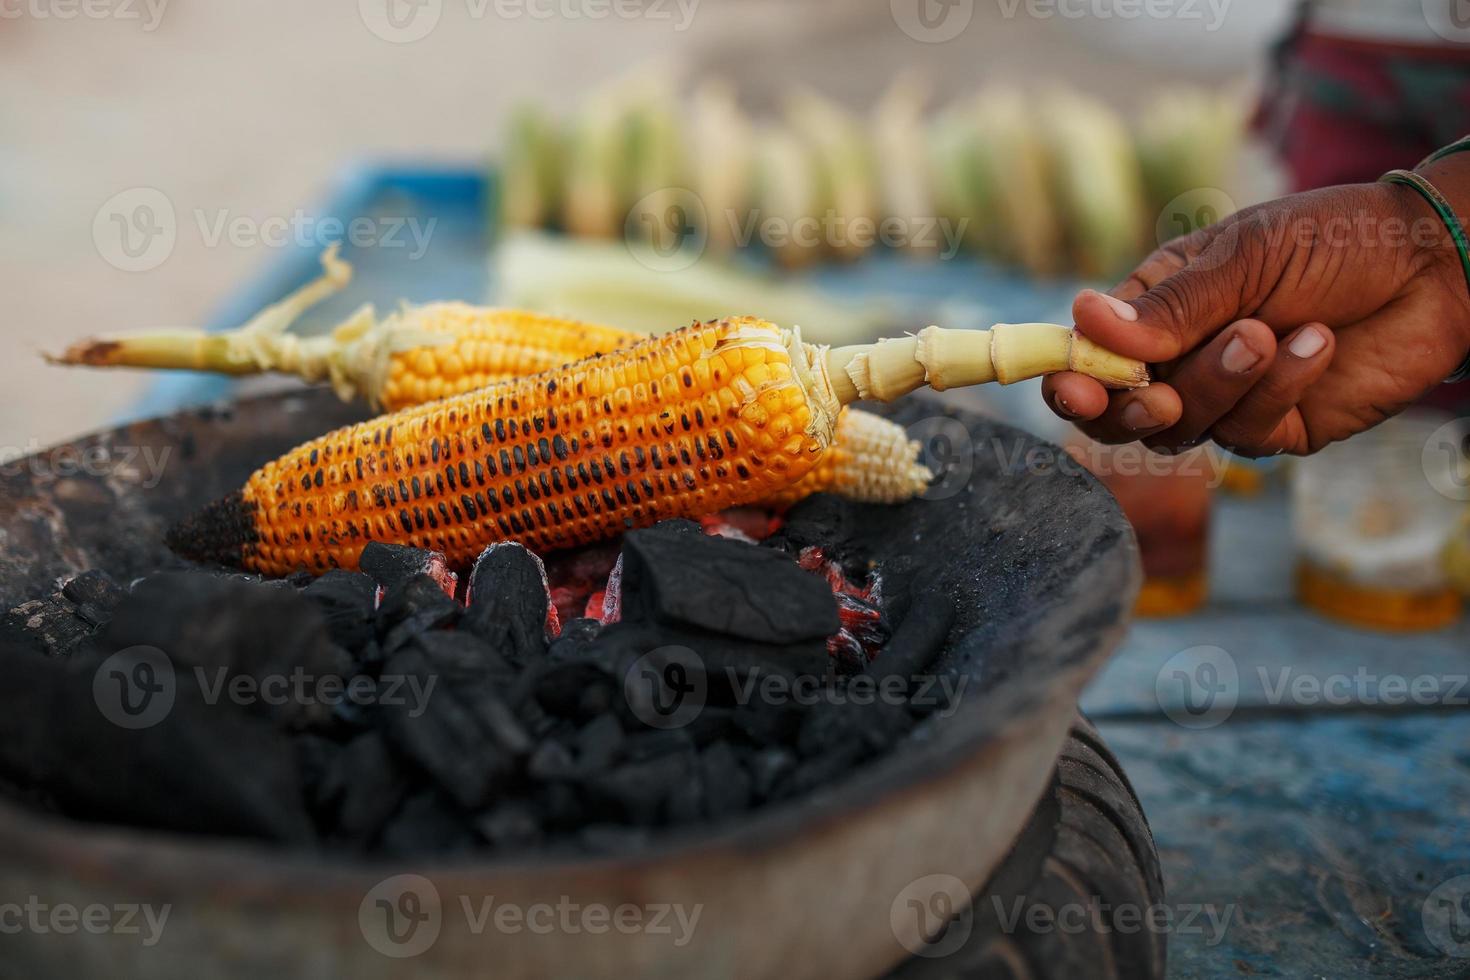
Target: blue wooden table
<point x="1312" y="817"/>
<point x="1306" y="782"/>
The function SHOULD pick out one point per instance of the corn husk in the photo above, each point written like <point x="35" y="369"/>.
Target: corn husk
<point x="904" y="169"/>
<point x="530" y="169"/>
<point x="787" y="199"/>
<point x="1014" y="159"/>
<point x="847" y="187"/>
<point x="964" y="193"/>
<point x="722" y="162"/>
<point x="1096" y="181"/>
<point x="1187" y="140"/>
<point x="603" y="282"/>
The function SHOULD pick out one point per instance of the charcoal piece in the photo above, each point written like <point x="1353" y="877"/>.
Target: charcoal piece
<point x="353" y="788"/>
<point x="604" y="838"/>
<point x="513" y="823"/>
<point x="828" y="726"/>
<point x="919" y="639"/>
<point x="458" y="729"/>
<point x="551" y="760"/>
<point x="767" y="767"/>
<point x="508" y="602"/>
<point x="820" y="520"/>
<point x="820" y="770"/>
<point x="730" y="671"/>
<point x="576" y="690"/>
<point x="427" y="822"/>
<point x="722" y="586"/>
<point x="635" y="791"/>
<point x="48" y="626"/>
<point x="94" y="586"/>
<point x="599" y="743"/>
<point x="726" y="783"/>
<point x="93" y="615"/>
<point x="347" y="601"/>
<point x="458" y="657"/>
<point x="559" y="805"/>
<point x="641" y="746"/>
<point x="766" y="723"/>
<point x="391" y="565"/>
<point x="685" y="803"/>
<point x="711" y="724"/>
<point x="576" y="639"/>
<point x="264" y="647"/>
<point x="415" y="605"/>
<point x="132" y="741"/>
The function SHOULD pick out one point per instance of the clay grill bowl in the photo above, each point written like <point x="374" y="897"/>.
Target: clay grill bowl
<point x="1037" y="555"/>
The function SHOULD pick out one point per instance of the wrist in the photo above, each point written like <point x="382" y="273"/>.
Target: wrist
<point x="1437" y="255"/>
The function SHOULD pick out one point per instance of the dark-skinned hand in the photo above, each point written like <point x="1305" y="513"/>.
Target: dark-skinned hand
<point x="1283" y="328"/>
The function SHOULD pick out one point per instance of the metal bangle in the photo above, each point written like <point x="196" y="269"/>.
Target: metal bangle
<point x="1458" y="146"/>
<point x="1446" y="213"/>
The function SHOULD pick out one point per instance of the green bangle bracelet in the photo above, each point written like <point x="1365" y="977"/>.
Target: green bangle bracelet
<point x="1458" y="146"/>
<point x="1446" y="214"/>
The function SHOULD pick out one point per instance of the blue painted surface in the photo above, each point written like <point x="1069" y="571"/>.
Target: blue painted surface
<point x="1324" y="827"/>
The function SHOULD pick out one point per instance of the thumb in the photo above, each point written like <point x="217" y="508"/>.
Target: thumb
<point x="1185" y="305"/>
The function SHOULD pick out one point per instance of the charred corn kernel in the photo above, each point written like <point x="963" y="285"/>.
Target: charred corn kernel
<point x="553" y="460"/>
<point x="871" y="460"/>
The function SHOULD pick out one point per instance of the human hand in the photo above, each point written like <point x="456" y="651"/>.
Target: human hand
<point x="1283" y="328"/>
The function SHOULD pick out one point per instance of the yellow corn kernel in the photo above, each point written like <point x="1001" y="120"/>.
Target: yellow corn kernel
<point x="553" y="460"/>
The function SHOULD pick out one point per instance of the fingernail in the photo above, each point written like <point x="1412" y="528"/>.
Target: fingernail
<point x="1237" y="357"/>
<point x="1137" y="416"/>
<point x="1308" y="343"/>
<point x="1065" y="409"/>
<point x="1120" y="309"/>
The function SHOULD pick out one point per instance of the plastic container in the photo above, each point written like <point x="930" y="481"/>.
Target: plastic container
<point x="1373" y="517"/>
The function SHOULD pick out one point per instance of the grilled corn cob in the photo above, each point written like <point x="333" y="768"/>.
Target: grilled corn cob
<point x="415" y="355"/>
<point x="710" y="416"/>
<point x="707" y="417"/>
<point x="474" y="347"/>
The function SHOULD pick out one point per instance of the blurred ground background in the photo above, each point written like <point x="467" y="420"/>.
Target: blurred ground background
<point x="248" y="110"/>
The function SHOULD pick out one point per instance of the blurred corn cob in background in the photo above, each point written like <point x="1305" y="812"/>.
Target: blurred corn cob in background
<point x="1098" y="189"/>
<point x="1056" y="183"/>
